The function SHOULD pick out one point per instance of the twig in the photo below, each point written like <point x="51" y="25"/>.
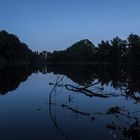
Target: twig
<point x="75" y="110"/>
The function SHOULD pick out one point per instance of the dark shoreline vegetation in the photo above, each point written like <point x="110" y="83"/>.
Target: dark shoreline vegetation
<point x="115" y="51"/>
<point x="15" y="52"/>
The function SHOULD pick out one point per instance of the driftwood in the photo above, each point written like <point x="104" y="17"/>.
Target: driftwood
<point x="75" y="110"/>
<point x="130" y="131"/>
<point x="114" y="110"/>
<point x="84" y="90"/>
<point x="117" y="111"/>
<point x="58" y="80"/>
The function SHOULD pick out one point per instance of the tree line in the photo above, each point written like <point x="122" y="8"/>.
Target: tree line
<point x="12" y="50"/>
<point x="116" y="50"/>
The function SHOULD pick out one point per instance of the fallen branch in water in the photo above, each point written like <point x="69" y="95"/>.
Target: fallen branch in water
<point x="118" y="110"/>
<point x="75" y="110"/>
<point x="58" y="80"/>
<point x="85" y="91"/>
<point x="90" y="85"/>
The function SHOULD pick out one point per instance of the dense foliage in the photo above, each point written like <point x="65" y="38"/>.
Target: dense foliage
<point x="12" y="50"/>
<point x="113" y="51"/>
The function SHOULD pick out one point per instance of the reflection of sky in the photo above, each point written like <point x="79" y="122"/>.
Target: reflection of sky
<point x="20" y="114"/>
<point x="53" y="24"/>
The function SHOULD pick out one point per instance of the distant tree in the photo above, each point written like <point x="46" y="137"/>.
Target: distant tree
<point x="134" y="48"/>
<point x="81" y="51"/>
<point x="113" y="51"/>
<point x="119" y="49"/>
<point x="104" y="51"/>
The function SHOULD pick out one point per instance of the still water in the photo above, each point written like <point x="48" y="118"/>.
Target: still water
<point x="70" y="102"/>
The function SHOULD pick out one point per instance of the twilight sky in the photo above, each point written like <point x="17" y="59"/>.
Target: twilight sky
<point x="57" y="24"/>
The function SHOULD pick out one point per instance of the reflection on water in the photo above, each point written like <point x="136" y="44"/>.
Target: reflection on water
<point x="12" y="76"/>
<point x="70" y="102"/>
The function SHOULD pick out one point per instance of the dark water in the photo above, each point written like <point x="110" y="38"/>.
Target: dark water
<point x="70" y="102"/>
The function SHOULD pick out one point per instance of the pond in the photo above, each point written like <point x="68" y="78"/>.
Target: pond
<point x="92" y="102"/>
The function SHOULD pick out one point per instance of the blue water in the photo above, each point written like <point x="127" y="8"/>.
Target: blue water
<point x="26" y="113"/>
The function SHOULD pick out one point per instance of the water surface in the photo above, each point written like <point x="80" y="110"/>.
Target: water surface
<point x="69" y="102"/>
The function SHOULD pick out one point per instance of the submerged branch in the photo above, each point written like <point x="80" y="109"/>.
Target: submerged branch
<point x="58" y="80"/>
<point x="90" y="85"/>
<point x="85" y="91"/>
<point x="75" y="110"/>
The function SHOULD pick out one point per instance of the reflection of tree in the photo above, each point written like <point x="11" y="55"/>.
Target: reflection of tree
<point x="12" y="76"/>
<point x="127" y="131"/>
<point x="125" y="78"/>
<point x="79" y="74"/>
<point x="85" y="91"/>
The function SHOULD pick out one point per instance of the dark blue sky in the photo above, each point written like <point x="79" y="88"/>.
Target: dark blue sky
<point x="56" y="24"/>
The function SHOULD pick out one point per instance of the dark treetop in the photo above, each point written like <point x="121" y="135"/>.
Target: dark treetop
<point x="114" y="51"/>
<point x="13" y="51"/>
